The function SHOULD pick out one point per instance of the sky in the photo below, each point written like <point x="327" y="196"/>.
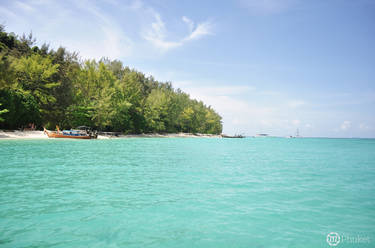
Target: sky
<point x="266" y="66"/>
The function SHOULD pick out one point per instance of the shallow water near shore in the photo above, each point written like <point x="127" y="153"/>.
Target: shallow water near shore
<point x="187" y="192"/>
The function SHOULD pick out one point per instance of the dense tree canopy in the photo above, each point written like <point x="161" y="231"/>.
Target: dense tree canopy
<point x="47" y="87"/>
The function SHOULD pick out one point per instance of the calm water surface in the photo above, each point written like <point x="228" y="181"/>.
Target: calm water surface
<point x="175" y="192"/>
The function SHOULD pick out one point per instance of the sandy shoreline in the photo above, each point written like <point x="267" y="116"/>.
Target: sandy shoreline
<point x="40" y="135"/>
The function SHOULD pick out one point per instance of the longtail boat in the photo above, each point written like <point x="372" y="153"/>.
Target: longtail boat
<point x="78" y="133"/>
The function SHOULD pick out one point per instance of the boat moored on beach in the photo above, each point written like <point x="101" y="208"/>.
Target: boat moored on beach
<point x="81" y="132"/>
<point x="233" y="136"/>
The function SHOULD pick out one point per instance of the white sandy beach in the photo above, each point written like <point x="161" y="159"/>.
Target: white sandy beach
<point x="40" y="135"/>
<point x="22" y="135"/>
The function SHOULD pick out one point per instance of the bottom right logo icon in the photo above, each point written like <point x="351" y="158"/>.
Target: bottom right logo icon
<point x="333" y="239"/>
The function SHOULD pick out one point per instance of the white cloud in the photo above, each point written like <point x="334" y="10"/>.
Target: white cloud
<point x="189" y="22"/>
<point x="25" y="7"/>
<point x="81" y="27"/>
<point x="114" y="43"/>
<point x="201" y="30"/>
<point x="245" y="109"/>
<point x="239" y="115"/>
<point x="157" y="33"/>
<point x="85" y="27"/>
<point x="364" y="126"/>
<point x="345" y="125"/>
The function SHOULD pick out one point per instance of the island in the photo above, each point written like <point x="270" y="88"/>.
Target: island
<point x="42" y="87"/>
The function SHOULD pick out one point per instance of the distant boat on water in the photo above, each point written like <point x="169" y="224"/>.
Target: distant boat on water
<point x="233" y="136"/>
<point x="81" y="132"/>
<point x="261" y="135"/>
<point x="296" y="136"/>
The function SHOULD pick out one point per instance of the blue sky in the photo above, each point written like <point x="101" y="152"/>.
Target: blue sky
<point x="268" y="66"/>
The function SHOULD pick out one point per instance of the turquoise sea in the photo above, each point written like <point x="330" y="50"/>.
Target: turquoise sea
<point x="187" y="192"/>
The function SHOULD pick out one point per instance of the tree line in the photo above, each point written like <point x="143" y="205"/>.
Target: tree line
<point x="47" y="88"/>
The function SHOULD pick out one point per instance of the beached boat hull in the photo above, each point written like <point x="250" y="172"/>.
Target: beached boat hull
<point x="51" y="134"/>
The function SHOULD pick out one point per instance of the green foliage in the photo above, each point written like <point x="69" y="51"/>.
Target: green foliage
<point x="6" y="73"/>
<point x="77" y="115"/>
<point x="156" y="110"/>
<point x="47" y="87"/>
<point x="22" y="109"/>
<point x="3" y="112"/>
<point x="34" y="75"/>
